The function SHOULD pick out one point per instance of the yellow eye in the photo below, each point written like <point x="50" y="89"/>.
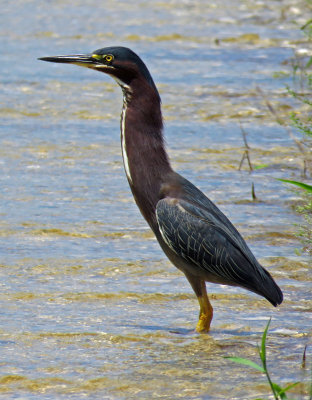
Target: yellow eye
<point x="108" y="58"/>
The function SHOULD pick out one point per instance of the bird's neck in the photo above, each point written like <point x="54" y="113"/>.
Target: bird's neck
<point x="145" y="159"/>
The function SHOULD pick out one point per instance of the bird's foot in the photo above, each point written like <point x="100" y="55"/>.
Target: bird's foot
<point x="203" y="324"/>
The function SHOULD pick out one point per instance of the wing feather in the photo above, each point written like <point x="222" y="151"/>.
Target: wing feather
<point x="200" y="237"/>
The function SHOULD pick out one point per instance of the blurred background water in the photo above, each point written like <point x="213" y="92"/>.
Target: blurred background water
<point x="90" y="306"/>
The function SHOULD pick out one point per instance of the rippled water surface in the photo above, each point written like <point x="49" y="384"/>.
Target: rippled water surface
<point x="90" y="307"/>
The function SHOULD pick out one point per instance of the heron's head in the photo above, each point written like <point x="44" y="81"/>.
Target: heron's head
<point x="119" y="62"/>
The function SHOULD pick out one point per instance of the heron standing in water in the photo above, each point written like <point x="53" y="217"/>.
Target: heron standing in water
<point x="193" y="233"/>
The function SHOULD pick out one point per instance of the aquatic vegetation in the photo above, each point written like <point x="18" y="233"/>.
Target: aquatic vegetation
<point x="305" y="229"/>
<point x="278" y="392"/>
<point x="305" y="209"/>
<point x="300" y="118"/>
<point x="302" y="185"/>
<point x="302" y="121"/>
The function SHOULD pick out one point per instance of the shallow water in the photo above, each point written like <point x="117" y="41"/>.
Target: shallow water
<point x="90" y="307"/>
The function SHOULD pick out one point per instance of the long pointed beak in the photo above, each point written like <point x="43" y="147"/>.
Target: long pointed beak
<point x="84" y="60"/>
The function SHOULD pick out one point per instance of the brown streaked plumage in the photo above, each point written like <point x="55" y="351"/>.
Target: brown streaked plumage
<point x="194" y="234"/>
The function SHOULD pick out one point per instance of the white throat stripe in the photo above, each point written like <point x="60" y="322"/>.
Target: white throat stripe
<point x="123" y="140"/>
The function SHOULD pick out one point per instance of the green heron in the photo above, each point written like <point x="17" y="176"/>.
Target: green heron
<point x="193" y="233"/>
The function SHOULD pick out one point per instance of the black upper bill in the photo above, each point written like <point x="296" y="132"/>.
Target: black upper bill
<point x="74" y="59"/>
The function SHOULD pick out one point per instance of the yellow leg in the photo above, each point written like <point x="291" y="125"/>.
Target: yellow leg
<point x="206" y="310"/>
<point x="205" y="313"/>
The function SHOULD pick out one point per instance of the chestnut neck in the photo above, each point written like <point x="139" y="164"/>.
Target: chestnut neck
<point x="145" y="159"/>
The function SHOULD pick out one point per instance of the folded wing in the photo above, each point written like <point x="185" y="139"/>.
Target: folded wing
<point x="206" y="238"/>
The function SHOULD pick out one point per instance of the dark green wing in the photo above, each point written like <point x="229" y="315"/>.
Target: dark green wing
<point x="203" y="236"/>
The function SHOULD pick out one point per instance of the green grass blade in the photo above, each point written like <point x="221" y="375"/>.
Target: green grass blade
<point x="282" y="391"/>
<point x="279" y="391"/>
<point x="309" y="22"/>
<point x="263" y="342"/>
<point x="302" y="185"/>
<point x="244" y="361"/>
<point x="262" y="353"/>
<point x="259" y="166"/>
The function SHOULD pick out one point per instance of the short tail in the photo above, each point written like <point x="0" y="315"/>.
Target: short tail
<point x="270" y="290"/>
